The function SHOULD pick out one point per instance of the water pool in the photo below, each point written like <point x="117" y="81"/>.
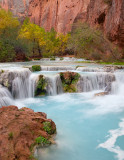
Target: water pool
<point x="88" y="128"/>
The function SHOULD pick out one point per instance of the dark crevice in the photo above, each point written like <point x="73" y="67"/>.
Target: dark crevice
<point x="101" y="18"/>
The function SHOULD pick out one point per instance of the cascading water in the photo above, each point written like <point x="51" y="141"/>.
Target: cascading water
<point x="54" y="85"/>
<point x="20" y="84"/>
<point x="94" y="81"/>
<point x="5" y="97"/>
<point x="24" y="82"/>
<point x="118" y="85"/>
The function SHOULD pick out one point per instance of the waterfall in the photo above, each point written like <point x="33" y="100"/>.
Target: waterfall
<point x="56" y="68"/>
<point x="54" y="85"/>
<point x="32" y="85"/>
<point x="118" y="85"/>
<point x="94" y="81"/>
<point x="20" y="84"/>
<point x="5" y="97"/>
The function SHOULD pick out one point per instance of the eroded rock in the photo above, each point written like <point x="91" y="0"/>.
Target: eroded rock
<point x="20" y="129"/>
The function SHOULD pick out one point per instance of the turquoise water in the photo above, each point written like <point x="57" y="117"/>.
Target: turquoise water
<point x="86" y="126"/>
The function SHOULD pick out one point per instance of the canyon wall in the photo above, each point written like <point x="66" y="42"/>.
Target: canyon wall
<point x="61" y="14"/>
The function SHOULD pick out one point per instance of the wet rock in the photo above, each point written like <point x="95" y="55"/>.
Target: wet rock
<point x="19" y="130"/>
<point x="69" y="81"/>
<point x="101" y="94"/>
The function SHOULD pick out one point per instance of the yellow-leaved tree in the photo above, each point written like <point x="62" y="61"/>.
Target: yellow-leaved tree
<point x="7" y="21"/>
<point x="35" y="34"/>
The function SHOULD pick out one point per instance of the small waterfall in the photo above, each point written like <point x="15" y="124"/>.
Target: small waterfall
<point x="118" y="85"/>
<point x="94" y="81"/>
<point x="5" y="97"/>
<point x="32" y="85"/>
<point x="54" y="85"/>
<point x="20" y="84"/>
<point x="87" y="69"/>
<point x="56" y="68"/>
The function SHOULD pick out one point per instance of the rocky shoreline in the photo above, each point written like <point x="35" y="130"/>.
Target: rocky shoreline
<point x="21" y="130"/>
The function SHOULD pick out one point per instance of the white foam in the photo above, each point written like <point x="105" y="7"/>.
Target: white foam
<point x="110" y="144"/>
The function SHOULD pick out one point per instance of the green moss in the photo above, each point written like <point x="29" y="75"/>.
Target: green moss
<point x="119" y="63"/>
<point x="69" y="81"/>
<point x="40" y="89"/>
<point x="42" y="140"/>
<point x="52" y="59"/>
<point x="36" y="68"/>
<point x="48" y="128"/>
<point x="112" y="63"/>
<point x="61" y="59"/>
<point x="70" y="88"/>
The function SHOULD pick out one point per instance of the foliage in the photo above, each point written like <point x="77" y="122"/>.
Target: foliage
<point x="31" y="40"/>
<point x="48" y="128"/>
<point x="7" y="21"/>
<point x="6" y="52"/>
<point x="90" y="43"/>
<point x="42" y="140"/>
<point x="40" y="89"/>
<point x="36" y="68"/>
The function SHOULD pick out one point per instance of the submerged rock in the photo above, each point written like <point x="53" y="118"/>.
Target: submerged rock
<point x="101" y="94"/>
<point x="21" y="130"/>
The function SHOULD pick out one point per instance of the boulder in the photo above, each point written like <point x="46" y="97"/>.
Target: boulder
<point x="21" y="130"/>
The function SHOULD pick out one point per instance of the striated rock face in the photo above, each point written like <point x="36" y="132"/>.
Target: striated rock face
<point x="18" y="130"/>
<point x="61" y="14"/>
<point x="110" y="16"/>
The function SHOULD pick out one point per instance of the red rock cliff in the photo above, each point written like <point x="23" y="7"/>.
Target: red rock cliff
<point x="61" y="14"/>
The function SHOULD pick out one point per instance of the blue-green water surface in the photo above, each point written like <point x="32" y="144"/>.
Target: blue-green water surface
<point x="83" y="123"/>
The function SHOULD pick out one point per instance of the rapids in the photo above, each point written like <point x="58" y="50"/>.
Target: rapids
<point x="88" y="127"/>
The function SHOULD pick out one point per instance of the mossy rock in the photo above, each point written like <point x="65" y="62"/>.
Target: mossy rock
<point x="70" y="88"/>
<point x="69" y="81"/>
<point x="41" y="86"/>
<point x="47" y="126"/>
<point x="52" y="59"/>
<point x="36" y="68"/>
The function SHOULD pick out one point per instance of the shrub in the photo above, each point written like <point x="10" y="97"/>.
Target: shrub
<point x="90" y="43"/>
<point x="36" y="68"/>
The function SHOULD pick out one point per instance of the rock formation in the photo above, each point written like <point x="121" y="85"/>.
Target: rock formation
<point x="61" y="14"/>
<point x="22" y="129"/>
